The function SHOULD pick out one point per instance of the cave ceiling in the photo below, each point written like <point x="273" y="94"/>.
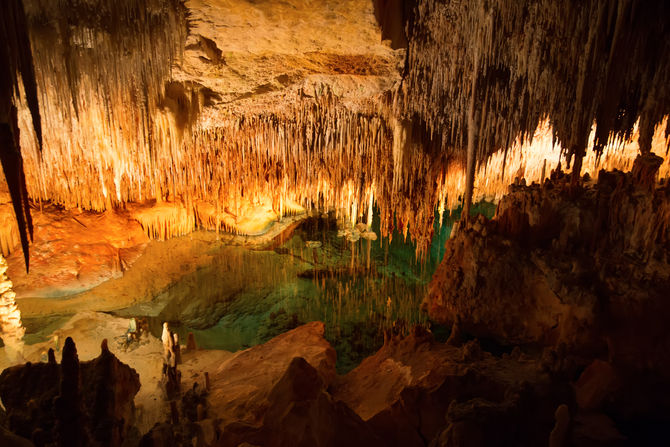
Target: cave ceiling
<point x="212" y="108"/>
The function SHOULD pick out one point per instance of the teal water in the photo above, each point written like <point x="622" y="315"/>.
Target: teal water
<point x="358" y="289"/>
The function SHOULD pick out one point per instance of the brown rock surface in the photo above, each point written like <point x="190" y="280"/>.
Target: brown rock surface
<point x="302" y="413"/>
<point x="251" y="55"/>
<point x="242" y="384"/>
<point x="74" y="251"/>
<point x="583" y="266"/>
<point x="405" y="390"/>
<point x="107" y="388"/>
<point x="275" y="394"/>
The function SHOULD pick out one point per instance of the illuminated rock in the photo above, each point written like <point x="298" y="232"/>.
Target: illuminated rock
<point x="11" y="329"/>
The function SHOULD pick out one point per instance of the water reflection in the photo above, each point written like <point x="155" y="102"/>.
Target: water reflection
<point x="357" y="288"/>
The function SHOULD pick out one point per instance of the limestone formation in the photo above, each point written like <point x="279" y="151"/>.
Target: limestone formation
<point x="543" y="270"/>
<point x="211" y="126"/>
<point x="11" y="329"/>
<point x="130" y="120"/>
<point x="71" y="403"/>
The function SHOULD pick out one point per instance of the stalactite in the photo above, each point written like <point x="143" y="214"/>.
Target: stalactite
<point x="109" y="112"/>
<point x="119" y="129"/>
<point x="17" y="71"/>
<point x="575" y="63"/>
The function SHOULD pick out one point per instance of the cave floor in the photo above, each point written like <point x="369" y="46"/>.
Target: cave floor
<point x="89" y="328"/>
<point x="234" y="292"/>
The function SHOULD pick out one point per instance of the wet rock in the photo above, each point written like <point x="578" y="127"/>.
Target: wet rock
<point x="598" y="381"/>
<point x="405" y="389"/>
<point x="558" y="434"/>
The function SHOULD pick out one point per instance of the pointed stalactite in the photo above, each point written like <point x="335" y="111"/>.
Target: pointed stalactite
<point x="472" y="136"/>
<point x="137" y="135"/>
<point x="16" y="60"/>
<point x="607" y="51"/>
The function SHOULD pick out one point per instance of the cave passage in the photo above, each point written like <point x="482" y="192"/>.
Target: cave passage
<point x="297" y="223"/>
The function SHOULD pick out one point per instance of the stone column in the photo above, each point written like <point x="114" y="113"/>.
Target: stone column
<point x="11" y="329"/>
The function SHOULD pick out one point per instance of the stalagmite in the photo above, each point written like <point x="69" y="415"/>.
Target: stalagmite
<point x="11" y="329"/>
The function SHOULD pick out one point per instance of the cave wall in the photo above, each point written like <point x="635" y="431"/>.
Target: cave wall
<point x="583" y="268"/>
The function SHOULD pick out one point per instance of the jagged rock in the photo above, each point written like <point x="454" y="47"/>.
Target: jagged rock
<point x="404" y="390"/>
<point x="598" y="381"/>
<point x="68" y="429"/>
<point x="302" y="413"/>
<point x="273" y="395"/>
<point x="645" y="170"/>
<point x="27" y="392"/>
<point x="520" y="304"/>
<point x="98" y="394"/>
<point x="561" y="265"/>
<point x="242" y="384"/>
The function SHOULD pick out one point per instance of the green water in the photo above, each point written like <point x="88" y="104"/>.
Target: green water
<point x="358" y="289"/>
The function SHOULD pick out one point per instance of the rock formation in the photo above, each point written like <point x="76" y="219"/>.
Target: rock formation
<point x="581" y="271"/>
<point x="71" y="403"/>
<point x="236" y="108"/>
<point x="560" y="264"/>
<point x="11" y="329"/>
<point x="229" y="115"/>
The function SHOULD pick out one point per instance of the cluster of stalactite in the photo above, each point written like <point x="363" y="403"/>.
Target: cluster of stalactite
<point x="485" y="72"/>
<point x="119" y="129"/>
<point x="101" y="70"/>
